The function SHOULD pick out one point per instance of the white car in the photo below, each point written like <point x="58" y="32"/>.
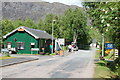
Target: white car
<point x="75" y="48"/>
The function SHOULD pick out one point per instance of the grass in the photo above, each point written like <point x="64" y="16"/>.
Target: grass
<point x="5" y="57"/>
<point x="109" y="56"/>
<point x="46" y="54"/>
<point x="101" y="70"/>
<point x="64" y="48"/>
<point x="97" y="54"/>
<point x="53" y="54"/>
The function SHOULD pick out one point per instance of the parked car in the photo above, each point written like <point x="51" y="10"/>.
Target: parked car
<point x="75" y="47"/>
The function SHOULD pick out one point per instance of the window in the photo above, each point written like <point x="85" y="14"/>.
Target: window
<point x="32" y="45"/>
<point x="20" y="45"/>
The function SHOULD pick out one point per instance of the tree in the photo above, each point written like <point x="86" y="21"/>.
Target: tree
<point x="71" y="26"/>
<point x="105" y="16"/>
<point x="74" y="24"/>
<point x="6" y="26"/>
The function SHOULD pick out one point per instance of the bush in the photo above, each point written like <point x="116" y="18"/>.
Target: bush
<point x="115" y="67"/>
<point x="53" y="54"/>
<point x="7" y="55"/>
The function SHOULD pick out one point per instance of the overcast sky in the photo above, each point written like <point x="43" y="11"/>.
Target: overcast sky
<point x="68" y="2"/>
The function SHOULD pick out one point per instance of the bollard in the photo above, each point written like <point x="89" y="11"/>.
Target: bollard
<point x="61" y="53"/>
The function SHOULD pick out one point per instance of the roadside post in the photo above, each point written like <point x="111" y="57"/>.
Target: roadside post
<point x="116" y="53"/>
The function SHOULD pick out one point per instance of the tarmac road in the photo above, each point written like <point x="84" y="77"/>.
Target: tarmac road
<point x="79" y="64"/>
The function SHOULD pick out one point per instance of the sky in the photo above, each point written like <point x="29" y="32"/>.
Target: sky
<point x="68" y="2"/>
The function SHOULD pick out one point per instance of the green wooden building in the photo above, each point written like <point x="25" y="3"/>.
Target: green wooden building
<point x="24" y="39"/>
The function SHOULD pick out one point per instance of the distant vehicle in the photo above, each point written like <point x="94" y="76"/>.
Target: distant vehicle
<point x="10" y="51"/>
<point x="75" y="47"/>
<point x="5" y="50"/>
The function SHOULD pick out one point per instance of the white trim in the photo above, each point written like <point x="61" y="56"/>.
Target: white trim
<point x="17" y="29"/>
<point x="10" y="32"/>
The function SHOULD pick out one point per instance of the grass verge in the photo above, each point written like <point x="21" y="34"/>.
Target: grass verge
<point x="101" y="70"/>
<point x="5" y="57"/>
<point x="97" y="54"/>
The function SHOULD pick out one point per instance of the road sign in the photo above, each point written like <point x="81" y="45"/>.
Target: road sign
<point x="61" y="41"/>
<point x="109" y="46"/>
<point x="116" y="53"/>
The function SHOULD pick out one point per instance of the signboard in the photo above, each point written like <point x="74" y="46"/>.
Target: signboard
<point x="34" y="49"/>
<point x="116" y="53"/>
<point x="109" y="46"/>
<point x="61" y="41"/>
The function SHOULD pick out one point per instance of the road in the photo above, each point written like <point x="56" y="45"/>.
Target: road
<point x="79" y="64"/>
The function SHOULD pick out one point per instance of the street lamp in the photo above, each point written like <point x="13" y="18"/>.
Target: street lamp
<point x="103" y="43"/>
<point x="52" y="33"/>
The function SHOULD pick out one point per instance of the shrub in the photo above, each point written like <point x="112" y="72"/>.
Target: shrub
<point x="7" y="55"/>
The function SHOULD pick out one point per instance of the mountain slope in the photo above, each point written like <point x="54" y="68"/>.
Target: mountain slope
<point x="32" y="10"/>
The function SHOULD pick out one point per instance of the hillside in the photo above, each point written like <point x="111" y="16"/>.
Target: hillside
<point x="32" y="10"/>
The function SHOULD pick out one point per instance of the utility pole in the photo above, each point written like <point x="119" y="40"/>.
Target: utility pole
<point x="52" y="33"/>
<point x="103" y="45"/>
